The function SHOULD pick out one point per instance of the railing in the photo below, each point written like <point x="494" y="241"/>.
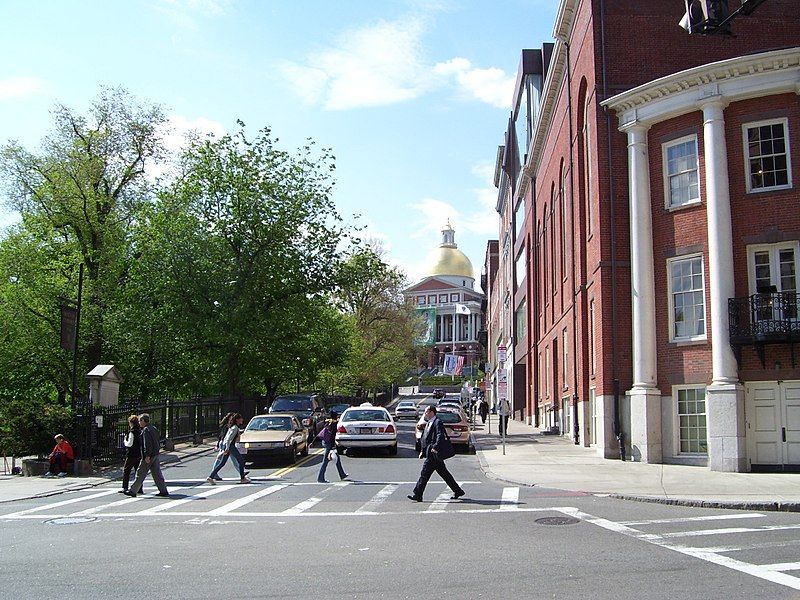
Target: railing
<point x="764" y="319"/>
<point x="100" y="430"/>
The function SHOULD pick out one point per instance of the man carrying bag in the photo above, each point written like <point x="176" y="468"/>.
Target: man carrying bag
<point x="436" y="448"/>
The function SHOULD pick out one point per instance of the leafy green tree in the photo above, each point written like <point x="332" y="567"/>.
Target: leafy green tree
<point x="85" y="186"/>
<point x="239" y="250"/>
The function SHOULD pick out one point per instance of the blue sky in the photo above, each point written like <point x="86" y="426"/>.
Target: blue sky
<point x="411" y="95"/>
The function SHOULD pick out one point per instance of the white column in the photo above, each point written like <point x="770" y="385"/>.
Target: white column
<point x="645" y="398"/>
<point x="720" y="240"/>
<point x="725" y="396"/>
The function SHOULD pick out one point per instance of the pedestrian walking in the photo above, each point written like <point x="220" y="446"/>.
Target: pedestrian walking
<point x="151" y="447"/>
<point x="133" y="451"/>
<point x="483" y="410"/>
<point x="228" y="448"/>
<point x="61" y="457"/>
<point x="222" y="456"/>
<point x="328" y="438"/>
<point x="435" y="449"/>
<point x="504" y="410"/>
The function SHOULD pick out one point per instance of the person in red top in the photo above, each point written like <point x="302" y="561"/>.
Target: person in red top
<point x="61" y="457"/>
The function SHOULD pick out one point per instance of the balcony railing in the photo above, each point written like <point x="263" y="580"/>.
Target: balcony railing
<point x="763" y="319"/>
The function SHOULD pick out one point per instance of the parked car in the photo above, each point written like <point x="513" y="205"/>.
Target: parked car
<point x="455" y="423"/>
<point x="445" y="402"/>
<point x="275" y="434"/>
<point x="337" y="408"/>
<point x="405" y="409"/>
<point x="309" y="408"/>
<point x="437" y="393"/>
<point x="366" y="426"/>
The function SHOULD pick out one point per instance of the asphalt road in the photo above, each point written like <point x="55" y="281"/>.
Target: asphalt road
<point x="285" y="536"/>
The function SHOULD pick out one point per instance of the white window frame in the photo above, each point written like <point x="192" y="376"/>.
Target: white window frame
<point x="774" y="251"/>
<point x="787" y="144"/>
<point x="564" y="358"/>
<point x="666" y="174"/>
<point x="677" y="422"/>
<point x="670" y="300"/>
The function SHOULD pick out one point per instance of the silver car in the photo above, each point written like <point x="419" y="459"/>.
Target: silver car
<point x="455" y="423"/>
<point x="405" y="409"/>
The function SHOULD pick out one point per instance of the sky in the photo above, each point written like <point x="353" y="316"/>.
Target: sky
<point x="412" y="96"/>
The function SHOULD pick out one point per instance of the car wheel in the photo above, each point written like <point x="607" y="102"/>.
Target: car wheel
<point x="293" y="455"/>
<point x="393" y="450"/>
<point x="305" y="450"/>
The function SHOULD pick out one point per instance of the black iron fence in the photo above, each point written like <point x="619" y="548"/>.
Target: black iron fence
<point x="100" y="430"/>
<point x="764" y="318"/>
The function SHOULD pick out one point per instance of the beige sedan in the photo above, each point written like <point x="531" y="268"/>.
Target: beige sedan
<point x="276" y="434"/>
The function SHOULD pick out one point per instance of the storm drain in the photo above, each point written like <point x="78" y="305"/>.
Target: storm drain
<point x="70" y="520"/>
<point x="557" y="521"/>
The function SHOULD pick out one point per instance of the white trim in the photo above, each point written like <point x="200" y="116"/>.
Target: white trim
<point x="746" y="154"/>
<point x="665" y="174"/>
<point x="670" y="300"/>
<point x="676" y="437"/>
<point x="774" y="269"/>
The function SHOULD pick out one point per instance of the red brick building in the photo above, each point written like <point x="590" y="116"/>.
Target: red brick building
<point x="660" y="227"/>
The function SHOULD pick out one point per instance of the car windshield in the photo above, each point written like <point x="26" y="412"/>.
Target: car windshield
<point x="449" y="417"/>
<point x="291" y="404"/>
<point x="270" y="424"/>
<point x="365" y="415"/>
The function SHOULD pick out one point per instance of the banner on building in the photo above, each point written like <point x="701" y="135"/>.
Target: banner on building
<point x="453" y="364"/>
<point x="427" y="327"/>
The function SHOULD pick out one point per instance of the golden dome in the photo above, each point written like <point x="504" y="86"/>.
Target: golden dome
<point x="450" y="260"/>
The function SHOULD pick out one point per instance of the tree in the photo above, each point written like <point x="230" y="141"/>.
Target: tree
<point x="370" y="293"/>
<point x="83" y="189"/>
<point x="241" y="248"/>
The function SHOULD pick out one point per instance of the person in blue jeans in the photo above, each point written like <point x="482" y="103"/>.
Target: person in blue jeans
<point x="228" y="448"/>
<point x="328" y="438"/>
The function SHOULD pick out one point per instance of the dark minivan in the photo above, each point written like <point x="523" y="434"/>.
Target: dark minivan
<point x="308" y="407"/>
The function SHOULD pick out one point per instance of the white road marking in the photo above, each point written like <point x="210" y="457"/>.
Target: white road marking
<point x="702" y="532"/>
<point x="372" y="505"/>
<point x="694" y="519"/>
<point x="510" y="499"/>
<point x="314" y="500"/>
<point x="231" y="506"/>
<point x="760" y="571"/>
<point x="127" y="500"/>
<point x="61" y="503"/>
<point x="441" y="502"/>
<point x="212" y="491"/>
<point x="789" y="566"/>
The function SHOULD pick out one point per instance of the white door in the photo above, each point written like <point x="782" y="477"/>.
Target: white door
<point x="592" y="418"/>
<point x="773" y="424"/>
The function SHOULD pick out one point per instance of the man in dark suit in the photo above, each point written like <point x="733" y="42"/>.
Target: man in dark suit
<point x="433" y="441"/>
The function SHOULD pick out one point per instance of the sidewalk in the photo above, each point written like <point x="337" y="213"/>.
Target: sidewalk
<point x="16" y="487"/>
<point x="548" y="461"/>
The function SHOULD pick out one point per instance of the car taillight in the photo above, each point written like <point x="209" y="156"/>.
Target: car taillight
<point x="389" y="429"/>
<point x="341" y="429"/>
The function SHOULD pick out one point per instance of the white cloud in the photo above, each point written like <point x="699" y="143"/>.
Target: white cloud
<point x="21" y="87"/>
<point x="183" y="13"/>
<point x="491" y="86"/>
<point x="372" y="66"/>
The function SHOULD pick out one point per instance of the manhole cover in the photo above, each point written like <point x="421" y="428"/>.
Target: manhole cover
<point x="557" y="521"/>
<point x="70" y="520"/>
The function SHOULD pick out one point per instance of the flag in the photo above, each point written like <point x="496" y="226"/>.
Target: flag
<point x="462" y="309"/>
<point x="453" y="364"/>
<point x="459" y="365"/>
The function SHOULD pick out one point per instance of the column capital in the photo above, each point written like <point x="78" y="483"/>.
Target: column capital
<point x="712" y="104"/>
<point x="634" y="127"/>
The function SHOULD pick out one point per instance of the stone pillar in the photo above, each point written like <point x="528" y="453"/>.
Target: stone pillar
<point x="645" y="398"/>
<point x="725" y="395"/>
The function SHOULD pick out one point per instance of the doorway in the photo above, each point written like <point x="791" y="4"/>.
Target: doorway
<point x="772" y="421"/>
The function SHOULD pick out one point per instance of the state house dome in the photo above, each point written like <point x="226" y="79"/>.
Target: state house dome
<point x="449" y="260"/>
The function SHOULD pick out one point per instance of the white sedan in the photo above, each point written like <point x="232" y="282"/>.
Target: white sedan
<point x="406" y="408"/>
<point x="366" y="426"/>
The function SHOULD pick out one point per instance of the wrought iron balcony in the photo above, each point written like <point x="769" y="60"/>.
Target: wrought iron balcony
<point x="764" y="318"/>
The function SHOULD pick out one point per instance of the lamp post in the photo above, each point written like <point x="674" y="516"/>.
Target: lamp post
<point x="297" y="373"/>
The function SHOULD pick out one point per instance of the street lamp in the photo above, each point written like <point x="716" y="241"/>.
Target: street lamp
<point x="297" y="373"/>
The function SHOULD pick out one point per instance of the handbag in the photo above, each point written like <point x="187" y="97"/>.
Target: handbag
<point x="446" y="448"/>
<point x="332" y="455"/>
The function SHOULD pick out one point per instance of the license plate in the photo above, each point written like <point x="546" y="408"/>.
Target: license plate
<point x="365" y="430"/>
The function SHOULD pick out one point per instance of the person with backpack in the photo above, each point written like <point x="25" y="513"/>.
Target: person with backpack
<point x="328" y="438"/>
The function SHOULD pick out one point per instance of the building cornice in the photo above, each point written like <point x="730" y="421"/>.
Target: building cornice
<point x="562" y="29"/>
<point x="729" y="80"/>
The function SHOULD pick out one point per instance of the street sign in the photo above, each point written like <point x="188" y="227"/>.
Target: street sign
<point x="502" y="384"/>
<point x="501" y="354"/>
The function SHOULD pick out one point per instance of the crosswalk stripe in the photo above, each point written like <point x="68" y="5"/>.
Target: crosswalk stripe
<point x="118" y="503"/>
<point x="374" y="503"/>
<point x="729" y="530"/>
<point x="168" y="505"/>
<point x="61" y="503"/>
<point x="510" y="499"/>
<point x="314" y="500"/>
<point x="231" y="506"/>
<point x="694" y="519"/>
<point x="440" y="503"/>
<point x="788" y="566"/>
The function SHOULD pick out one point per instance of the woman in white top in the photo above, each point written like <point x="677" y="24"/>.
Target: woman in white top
<point x="228" y="448"/>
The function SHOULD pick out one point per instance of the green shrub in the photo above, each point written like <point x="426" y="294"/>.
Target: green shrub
<point x="28" y="426"/>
